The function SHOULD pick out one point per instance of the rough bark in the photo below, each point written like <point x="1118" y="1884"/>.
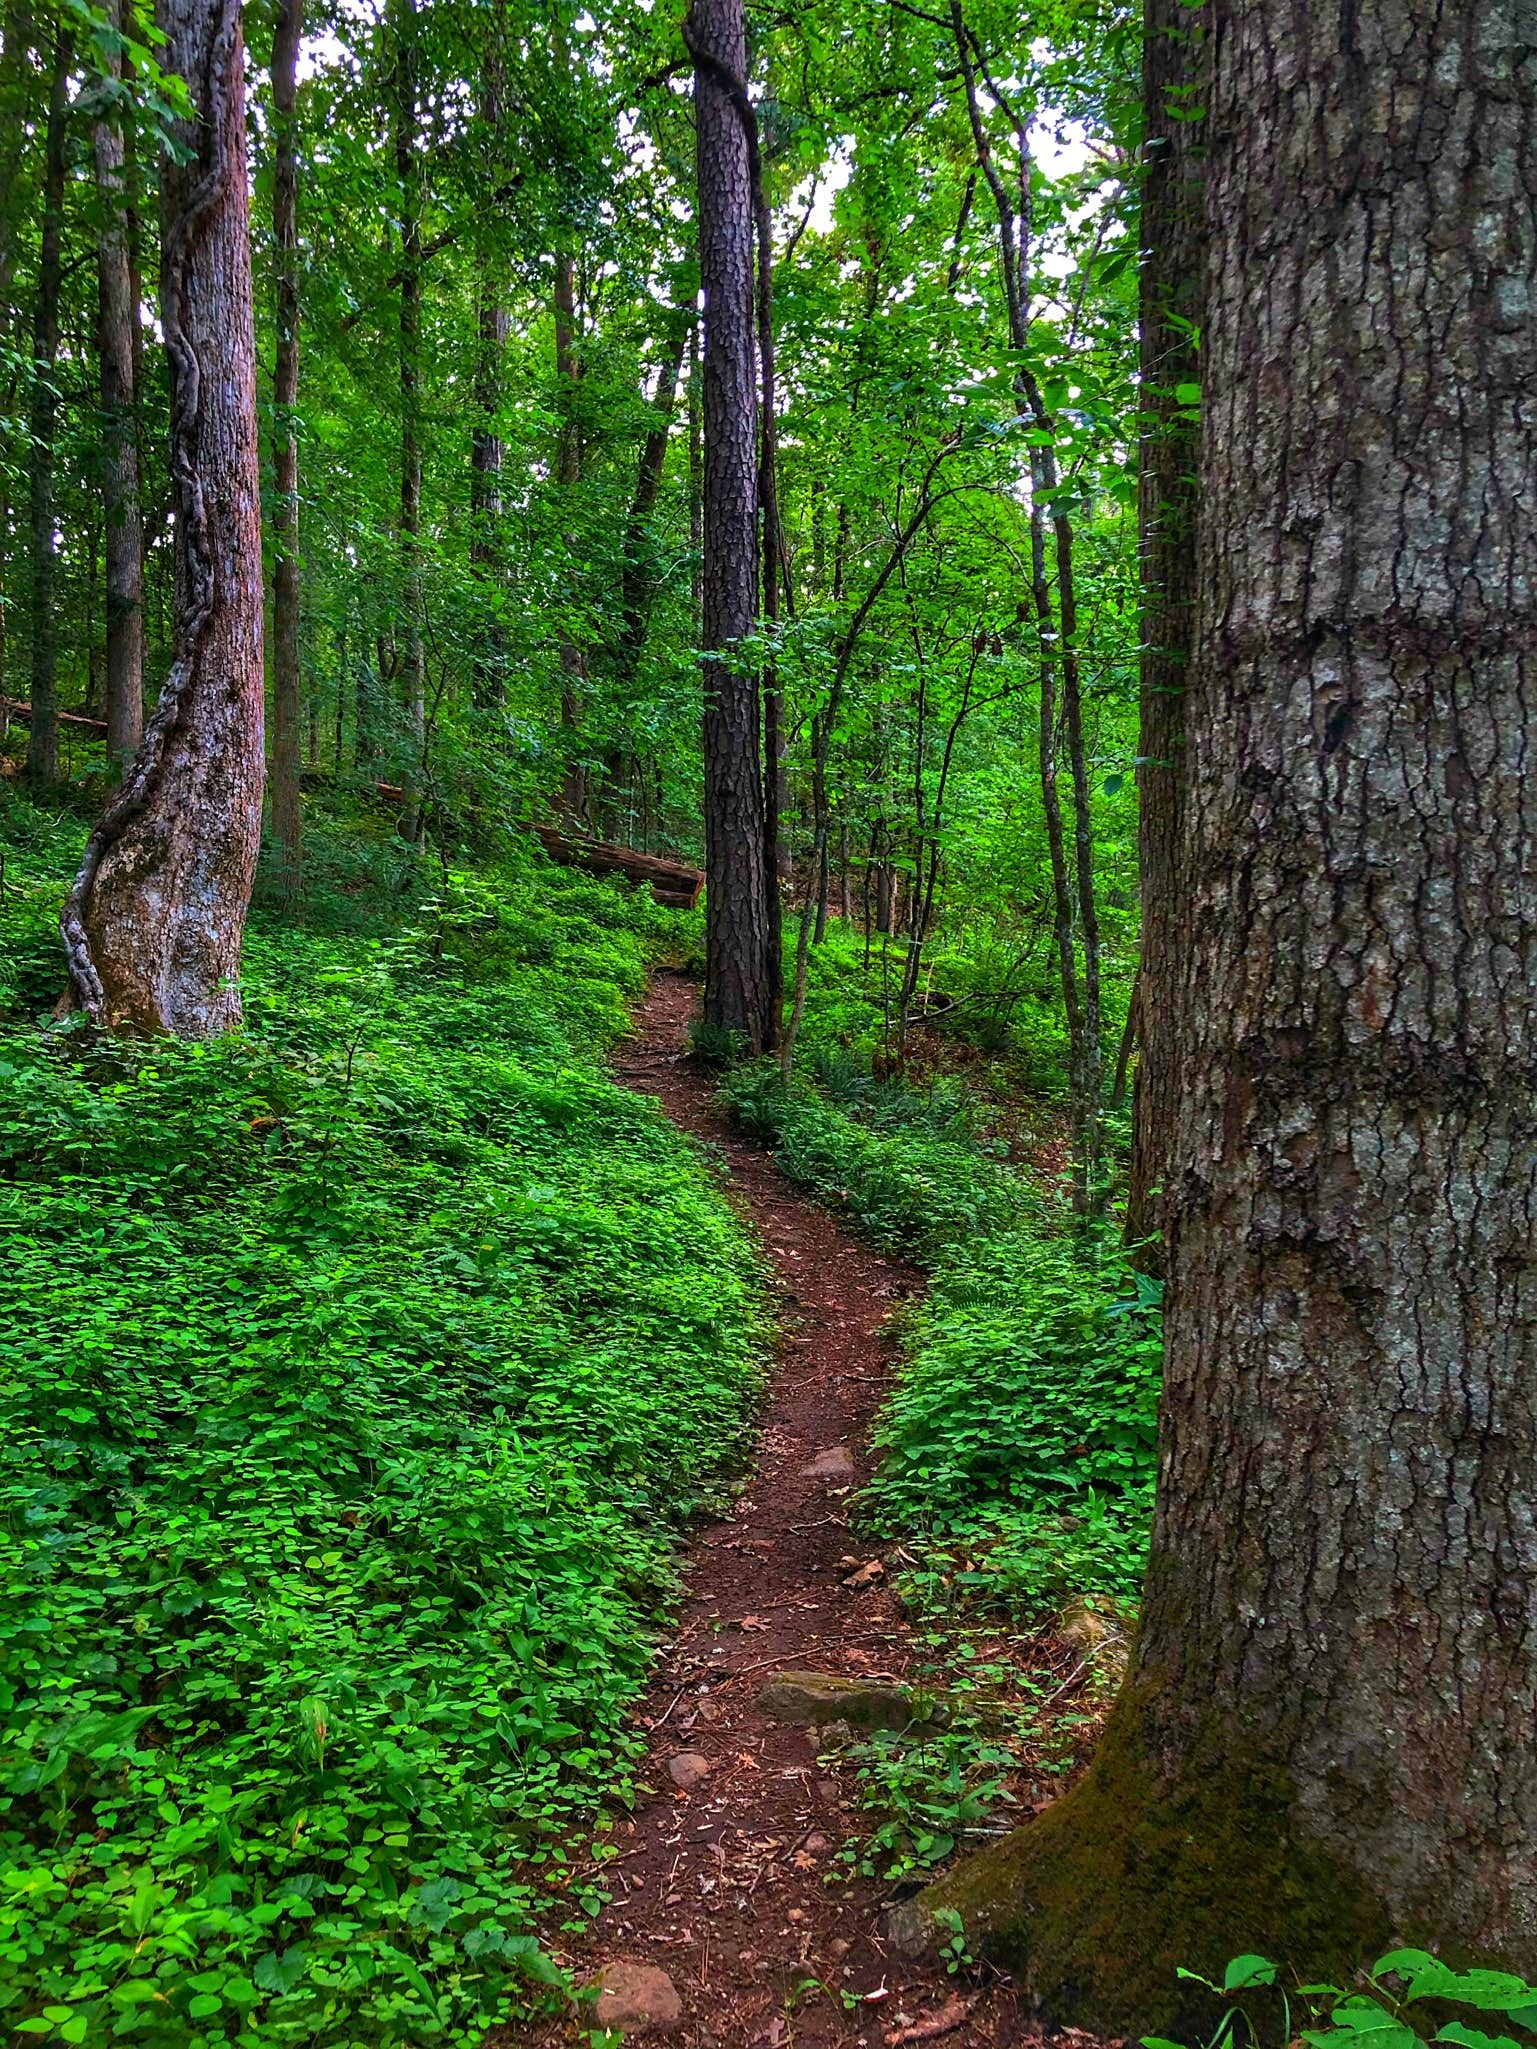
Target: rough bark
<point x="737" y="977"/>
<point x="1325" y="1738"/>
<point x="117" y="323"/>
<point x="153" y="926"/>
<point x="1174" y="43"/>
<point x="43" y="734"/>
<point x="287" y="707"/>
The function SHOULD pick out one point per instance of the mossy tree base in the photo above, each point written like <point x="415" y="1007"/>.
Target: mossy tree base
<point x="1101" y="1901"/>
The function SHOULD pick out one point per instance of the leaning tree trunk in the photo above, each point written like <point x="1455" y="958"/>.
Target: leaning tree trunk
<point x="43" y="740"/>
<point x="117" y="320"/>
<point x="738" y="983"/>
<point x="1325" y="1738"/>
<point x="1174" y="43"/>
<point x="287" y="708"/>
<point x="153" y="926"/>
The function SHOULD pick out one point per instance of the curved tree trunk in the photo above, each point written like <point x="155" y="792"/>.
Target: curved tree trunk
<point x="287" y="709"/>
<point x="738" y="995"/>
<point x="118" y="319"/>
<point x="1173" y="85"/>
<point x="1325" y="1739"/>
<point x="153" y="926"/>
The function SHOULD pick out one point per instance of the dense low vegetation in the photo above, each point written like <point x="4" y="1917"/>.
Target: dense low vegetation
<point x="358" y="1369"/>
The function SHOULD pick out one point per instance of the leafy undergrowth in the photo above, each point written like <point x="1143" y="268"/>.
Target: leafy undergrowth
<point x="356" y="1372"/>
<point x="1016" y="1484"/>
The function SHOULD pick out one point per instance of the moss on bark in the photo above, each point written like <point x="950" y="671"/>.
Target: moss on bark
<point x="1100" y="1901"/>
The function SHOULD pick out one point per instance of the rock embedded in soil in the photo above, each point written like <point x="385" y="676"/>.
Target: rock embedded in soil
<point x="636" y="1997"/>
<point x="836" y="1464"/>
<point x="809" y="1699"/>
<point x="688" y="1769"/>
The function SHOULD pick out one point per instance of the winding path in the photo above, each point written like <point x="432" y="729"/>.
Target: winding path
<point x="722" y="1879"/>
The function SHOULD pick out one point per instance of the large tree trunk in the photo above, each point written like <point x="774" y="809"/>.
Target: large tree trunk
<point x="43" y="733"/>
<point x="118" y="320"/>
<point x="1173" y="82"/>
<point x="738" y="984"/>
<point x="1325" y="1739"/>
<point x="287" y="710"/>
<point x="153" y="926"/>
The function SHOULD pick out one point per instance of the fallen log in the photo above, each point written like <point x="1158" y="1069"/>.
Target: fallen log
<point x="18" y="708"/>
<point x="673" y="883"/>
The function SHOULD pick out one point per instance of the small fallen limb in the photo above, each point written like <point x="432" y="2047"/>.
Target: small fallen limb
<point x="952" y="2015"/>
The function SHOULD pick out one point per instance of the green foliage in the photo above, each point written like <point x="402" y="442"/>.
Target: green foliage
<point x="915" y="1186"/>
<point x="1030" y="1378"/>
<point x="356" y="1372"/>
<point x="1400" y="2005"/>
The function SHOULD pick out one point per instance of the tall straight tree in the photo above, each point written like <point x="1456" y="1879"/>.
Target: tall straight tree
<point x="738" y="980"/>
<point x="404" y="118"/>
<point x="287" y="709"/>
<point x="154" y="923"/>
<point x="1175" y="47"/>
<point x="43" y="742"/>
<point x="1325" y="1737"/>
<point x="117" y="327"/>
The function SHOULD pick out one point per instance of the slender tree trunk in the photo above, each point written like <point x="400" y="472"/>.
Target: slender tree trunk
<point x="287" y="707"/>
<point x="738" y="984"/>
<point x="487" y="454"/>
<point x="153" y="926"/>
<point x="117" y="320"/>
<point x="15" y="84"/>
<point x="1325" y="1738"/>
<point x="43" y="737"/>
<point x="1173" y="81"/>
<point x="637" y="584"/>
<point x="568" y="474"/>
<point x="408" y="177"/>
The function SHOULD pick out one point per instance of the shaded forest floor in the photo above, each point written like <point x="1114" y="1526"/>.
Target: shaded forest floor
<point x="722" y="1881"/>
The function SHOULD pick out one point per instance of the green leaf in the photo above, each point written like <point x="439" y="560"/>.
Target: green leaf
<point x="1244" y="1971"/>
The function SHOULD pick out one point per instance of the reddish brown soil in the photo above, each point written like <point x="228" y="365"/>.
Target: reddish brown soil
<point x="725" y="1887"/>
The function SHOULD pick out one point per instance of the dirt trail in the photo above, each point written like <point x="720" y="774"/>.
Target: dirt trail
<point x="721" y="1884"/>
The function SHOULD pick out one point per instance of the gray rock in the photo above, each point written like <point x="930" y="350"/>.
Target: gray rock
<point x="836" y="1464"/>
<point x="636" y="1997"/>
<point x="812" y="1698"/>
<point x="688" y="1769"/>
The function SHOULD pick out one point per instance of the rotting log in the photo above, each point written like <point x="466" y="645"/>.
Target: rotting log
<point x="673" y="883"/>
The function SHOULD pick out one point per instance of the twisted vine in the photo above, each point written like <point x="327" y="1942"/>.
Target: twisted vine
<point x="195" y="614"/>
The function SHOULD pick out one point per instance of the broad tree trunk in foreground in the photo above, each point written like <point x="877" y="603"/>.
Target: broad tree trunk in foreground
<point x="1325" y="1739"/>
<point x="117" y="323"/>
<point x="153" y="926"/>
<point x="1174" y="44"/>
<point x="287" y="710"/>
<point x="43" y="741"/>
<point x="738" y="988"/>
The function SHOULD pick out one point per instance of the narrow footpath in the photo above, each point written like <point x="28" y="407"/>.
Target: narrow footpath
<point x="724" y="1932"/>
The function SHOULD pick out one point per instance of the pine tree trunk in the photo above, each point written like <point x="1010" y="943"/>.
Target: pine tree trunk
<point x="1325" y="1739"/>
<point x="118" y="318"/>
<point x="287" y="708"/>
<point x="737" y="977"/>
<point x="43" y="737"/>
<point x="1173" y="86"/>
<point x="154" y="924"/>
<point x="15" y="84"/>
